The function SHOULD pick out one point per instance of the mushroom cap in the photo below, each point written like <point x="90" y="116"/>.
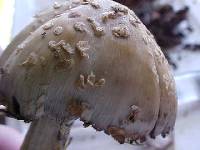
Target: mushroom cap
<point x="96" y="62"/>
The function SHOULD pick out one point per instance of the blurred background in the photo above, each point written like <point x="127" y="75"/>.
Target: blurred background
<point x="176" y="27"/>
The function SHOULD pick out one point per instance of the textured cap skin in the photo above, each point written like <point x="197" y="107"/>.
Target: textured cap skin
<point x="96" y="62"/>
<point x="39" y="19"/>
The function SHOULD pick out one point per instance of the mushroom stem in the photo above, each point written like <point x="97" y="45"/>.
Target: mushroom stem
<point x="46" y="133"/>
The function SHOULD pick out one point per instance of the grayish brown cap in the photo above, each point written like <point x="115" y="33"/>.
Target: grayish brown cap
<point x="96" y="62"/>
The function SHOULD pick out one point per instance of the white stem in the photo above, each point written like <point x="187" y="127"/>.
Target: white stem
<point x="46" y="134"/>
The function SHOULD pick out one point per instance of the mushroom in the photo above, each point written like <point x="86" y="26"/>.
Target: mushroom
<point x="95" y="61"/>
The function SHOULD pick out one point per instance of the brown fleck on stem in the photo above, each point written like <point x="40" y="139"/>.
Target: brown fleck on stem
<point x="46" y="134"/>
